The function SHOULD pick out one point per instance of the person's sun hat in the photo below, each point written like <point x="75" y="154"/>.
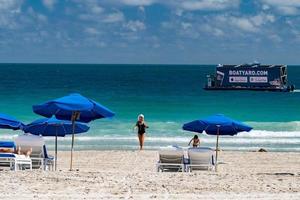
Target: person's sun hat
<point x="141" y="115"/>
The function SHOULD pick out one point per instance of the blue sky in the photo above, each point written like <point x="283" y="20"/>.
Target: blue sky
<point x="150" y="31"/>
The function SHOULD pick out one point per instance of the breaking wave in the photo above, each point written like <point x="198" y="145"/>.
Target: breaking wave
<point x="273" y="136"/>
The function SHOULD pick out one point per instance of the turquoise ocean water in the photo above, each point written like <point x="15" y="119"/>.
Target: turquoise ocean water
<point x="168" y="96"/>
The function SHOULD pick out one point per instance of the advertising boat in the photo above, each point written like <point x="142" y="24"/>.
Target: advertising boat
<point x="249" y="77"/>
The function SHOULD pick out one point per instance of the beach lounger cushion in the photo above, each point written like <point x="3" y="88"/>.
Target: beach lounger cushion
<point x="200" y="158"/>
<point x="170" y="159"/>
<point x="7" y="144"/>
<point x="39" y="156"/>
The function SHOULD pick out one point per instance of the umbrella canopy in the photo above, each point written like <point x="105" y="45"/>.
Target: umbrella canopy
<point x="9" y="122"/>
<point x="64" y="107"/>
<point x="210" y="125"/>
<point x="217" y="125"/>
<point x="74" y="107"/>
<point x="54" y="127"/>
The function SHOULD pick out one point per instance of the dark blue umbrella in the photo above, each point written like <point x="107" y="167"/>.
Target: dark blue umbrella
<point x="9" y="122"/>
<point x="74" y="107"/>
<point x="54" y="127"/>
<point x="217" y="125"/>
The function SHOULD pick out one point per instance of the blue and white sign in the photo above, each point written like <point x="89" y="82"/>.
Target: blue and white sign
<point x="238" y="79"/>
<point x="258" y="79"/>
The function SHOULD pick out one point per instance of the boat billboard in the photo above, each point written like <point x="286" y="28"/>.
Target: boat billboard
<point x="249" y="76"/>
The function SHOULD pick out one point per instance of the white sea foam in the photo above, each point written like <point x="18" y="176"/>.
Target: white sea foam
<point x="173" y="127"/>
<point x="254" y="134"/>
<point x="275" y="136"/>
<point x="276" y="126"/>
<point x="269" y="134"/>
<point x="284" y="138"/>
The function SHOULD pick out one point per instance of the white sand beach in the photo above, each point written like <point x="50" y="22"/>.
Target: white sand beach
<point x="132" y="175"/>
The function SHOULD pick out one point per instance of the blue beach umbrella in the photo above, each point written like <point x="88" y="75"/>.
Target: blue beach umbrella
<point x="74" y="107"/>
<point x="9" y="122"/>
<point x="54" y="127"/>
<point x="217" y="125"/>
<point x="66" y="107"/>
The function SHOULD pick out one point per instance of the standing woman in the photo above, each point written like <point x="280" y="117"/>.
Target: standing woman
<point x="141" y="126"/>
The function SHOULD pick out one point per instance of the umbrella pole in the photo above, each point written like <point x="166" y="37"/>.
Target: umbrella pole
<point x="75" y="115"/>
<point x="217" y="147"/>
<point x="56" y="150"/>
<point x="72" y="145"/>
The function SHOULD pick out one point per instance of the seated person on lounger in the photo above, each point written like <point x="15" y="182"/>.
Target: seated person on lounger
<point x="17" y="151"/>
<point x="195" y="141"/>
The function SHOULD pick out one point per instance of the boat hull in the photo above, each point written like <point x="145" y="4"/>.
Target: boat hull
<point x="254" y="89"/>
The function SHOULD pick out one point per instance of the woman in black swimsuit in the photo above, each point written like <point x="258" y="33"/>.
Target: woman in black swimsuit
<point x="141" y="126"/>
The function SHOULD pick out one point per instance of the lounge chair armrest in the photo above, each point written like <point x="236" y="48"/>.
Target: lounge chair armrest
<point x="50" y="157"/>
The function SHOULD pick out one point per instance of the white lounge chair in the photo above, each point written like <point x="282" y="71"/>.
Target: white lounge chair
<point x="200" y="159"/>
<point x="14" y="161"/>
<point x="170" y="158"/>
<point x="39" y="156"/>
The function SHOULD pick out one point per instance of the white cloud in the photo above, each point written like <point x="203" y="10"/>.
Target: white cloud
<point x="246" y="23"/>
<point x="275" y="38"/>
<point x="186" y="25"/>
<point x="88" y="10"/>
<point x="209" y="4"/>
<point x="91" y="31"/>
<point x="265" y="7"/>
<point x="194" y="29"/>
<point x="114" y="17"/>
<point x="179" y="12"/>
<point x="37" y="17"/>
<point x="142" y="9"/>
<point x="89" y="6"/>
<point x="138" y="2"/>
<point x="101" y="44"/>
<point x="288" y="10"/>
<point x="218" y="32"/>
<point x="49" y="4"/>
<point x="296" y="34"/>
<point x="135" y="26"/>
<point x="92" y="11"/>
<point x="167" y="25"/>
<point x="10" y="5"/>
<point x="285" y="7"/>
<point x="212" y="30"/>
<point x="42" y="18"/>
<point x="190" y="5"/>
<point x="243" y="23"/>
<point x="283" y="2"/>
<point x="9" y="10"/>
<point x="261" y="19"/>
<point x="130" y="36"/>
<point x="153" y="42"/>
<point x="189" y="30"/>
<point x="86" y="17"/>
<point x="97" y="9"/>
